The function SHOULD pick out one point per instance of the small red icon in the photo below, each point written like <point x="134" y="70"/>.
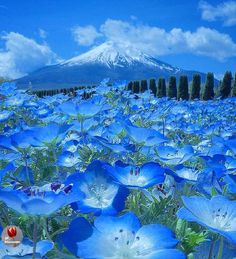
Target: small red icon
<point x="12" y="232"/>
<point x="12" y="236"/>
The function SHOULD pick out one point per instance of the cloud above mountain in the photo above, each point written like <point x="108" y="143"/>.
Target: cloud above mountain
<point x="22" y="55"/>
<point x="158" y="41"/>
<point x="225" y="12"/>
<point x="85" y="36"/>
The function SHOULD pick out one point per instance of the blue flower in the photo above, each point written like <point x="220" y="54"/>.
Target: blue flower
<point x="51" y="133"/>
<point x="85" y="109"/>
<point x="43" y="200"/>
<point x="231" y="144"/>
<point x="146" y="136"/>
<point x="68" y="159"/>
<point x="203" y="250"/>
<point x="25" y="249"/>
<point x="174" y="156"/>
<point x="218" y="214"/>
<point x="133" y="176"/>
<point x="124" y="237"/>
<point x="20" y="140"/>
<point x="116" y="148"/>
<point x="186" y="173"/>
<point x="207" y="180"/>
<point x="5" y="115"/>
<point x="102" y="194"/>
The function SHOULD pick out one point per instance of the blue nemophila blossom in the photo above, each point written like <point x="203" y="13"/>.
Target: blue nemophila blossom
<point x="43" y="200"/>
<point x="124" y="237"/>
<point x="101" y="194"/>
<point x="9" y="167"/>
<point x="68" y="159"/>
<point x="43" y="112"/>
<point x="146" y="136"/>
<point x="231" y="144"/>
<point x="203" y="251"/>
<point x="116" y="148"/>
<point x="7" y="88"/>
<point x="207" y="181"/>
<point x="175" y="156"/>
<point x="16" y="100"/>
<point x="51" y="133"/>
<point x="218" y="214"/>
<point x="230" y="181"/>
<point x="185" y="173"/>
<point x="18" y="141"/>
<point x="85" y="109"/>
<point x="5" y="115"/>
<point x="25" y="249"/>
<point x="133" y="176"/>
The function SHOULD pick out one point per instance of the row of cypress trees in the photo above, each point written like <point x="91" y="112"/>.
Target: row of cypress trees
<point x="183" y="91"/>
<point x="70" y="91"/>
<point x="159" y="88"/>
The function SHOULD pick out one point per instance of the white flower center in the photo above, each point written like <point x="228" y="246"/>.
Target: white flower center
<point x="99" y="195"/>
<point x="221" y="219"/>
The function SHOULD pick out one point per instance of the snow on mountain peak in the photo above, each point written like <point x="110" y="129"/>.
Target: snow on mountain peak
<point x="111" y="54"/>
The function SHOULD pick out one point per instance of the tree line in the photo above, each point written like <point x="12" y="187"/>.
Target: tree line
<point x="70" y="91"/>
<point x="185" y="90"/>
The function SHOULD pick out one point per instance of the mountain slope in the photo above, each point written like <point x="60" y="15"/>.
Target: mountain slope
<point x="101" y="62"/>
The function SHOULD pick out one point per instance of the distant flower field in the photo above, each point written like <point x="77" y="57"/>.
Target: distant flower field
<point x="119" y="175"/>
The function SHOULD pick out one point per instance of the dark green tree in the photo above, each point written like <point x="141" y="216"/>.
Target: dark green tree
<point x="183" y="93"/>
<point x="225" y="88"/>
<point x="172" y="88"/>
<point x="153" y="87"/>
<point x="208" y="93"/>
<point x="196" y="87"/>
<point x="136" y="87"/>
<point x="144" y="86"/>
<point x="130" y="86"/>
<point x="234" y="87"/>
<point x="161" y="88"/>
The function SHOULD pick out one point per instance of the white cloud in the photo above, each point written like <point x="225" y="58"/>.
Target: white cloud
<point x="42" y="34"/>
<point x="86" y="35"/>
<point x="22" y="55"/>
<point x="157" y="41"/>
<point x="225" y="11"/>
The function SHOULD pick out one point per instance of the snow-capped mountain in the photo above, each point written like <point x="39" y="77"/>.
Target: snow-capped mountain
<point x="104" y="61"/>
<point x="111" y="56"/>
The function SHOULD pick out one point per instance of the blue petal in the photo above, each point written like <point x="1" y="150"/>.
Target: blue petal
<point x="79" y="230"/>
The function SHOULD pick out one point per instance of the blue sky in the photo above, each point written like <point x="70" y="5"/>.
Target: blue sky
<point x="196" y="35"/>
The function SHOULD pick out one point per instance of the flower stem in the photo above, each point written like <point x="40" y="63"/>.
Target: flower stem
<point x="220" y="251"/>
<point x="35" y="233"/>
<point x="211" y="249"/>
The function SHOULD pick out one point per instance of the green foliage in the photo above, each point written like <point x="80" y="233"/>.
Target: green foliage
<point x="183" y="93"/>
<point x="209" y="87"/>
<point x="153" y="86"/>
<point x="192" y="239"/>
<point x="161" y="89"/>
<point x="172" y="89"/>
<point x="196" y="87"/>
<point x="225" y="88"/>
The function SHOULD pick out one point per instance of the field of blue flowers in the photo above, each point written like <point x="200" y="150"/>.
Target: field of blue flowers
<point x="118" y="175"/>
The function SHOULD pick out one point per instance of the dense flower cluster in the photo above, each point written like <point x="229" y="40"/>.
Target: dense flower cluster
<point x="118" y="175"/>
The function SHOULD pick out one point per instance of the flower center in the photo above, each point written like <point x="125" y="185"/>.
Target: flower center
<point x="35" y="191"/>
<point x="99" y="195"/>
<point x="221" y="219"/>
